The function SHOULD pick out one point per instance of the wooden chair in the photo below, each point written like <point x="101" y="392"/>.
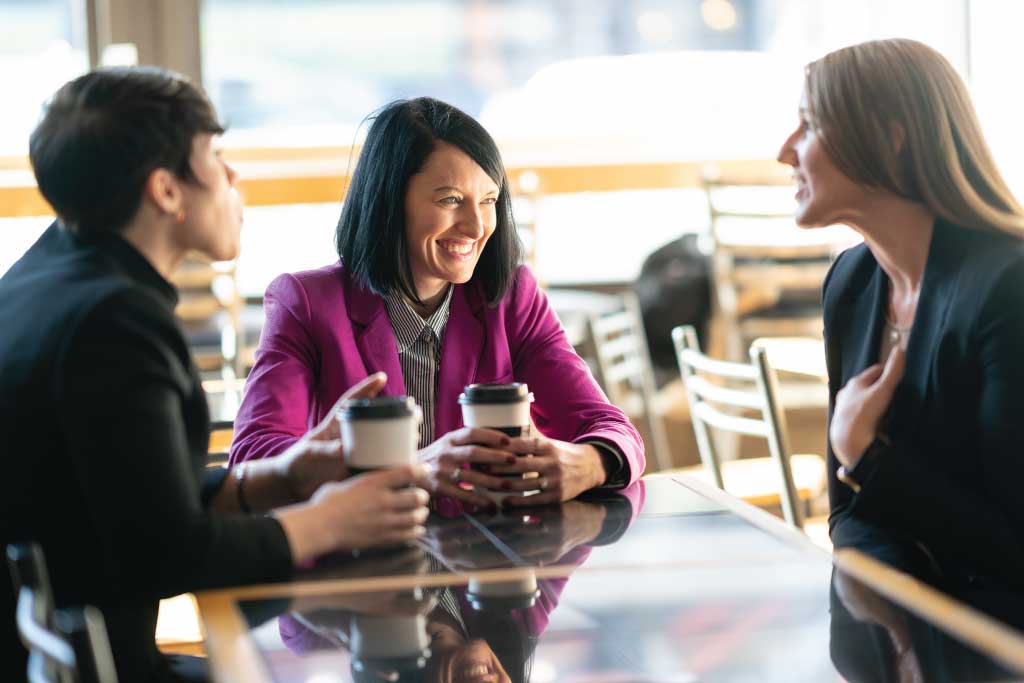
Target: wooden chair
<point x="66" y="645"/>
<point x="623" y="369"/>
<point x="767" y="273"/>
<point x="223" y="396"/>
<point x="742" y="398"/>
<point x="210" y="311"/>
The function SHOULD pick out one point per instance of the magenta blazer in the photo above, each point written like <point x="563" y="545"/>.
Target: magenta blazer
<point x="325" y="331"/>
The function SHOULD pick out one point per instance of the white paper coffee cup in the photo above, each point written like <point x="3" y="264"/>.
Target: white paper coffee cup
<point x="502" y="407"/>
<point x="379" y="432"/>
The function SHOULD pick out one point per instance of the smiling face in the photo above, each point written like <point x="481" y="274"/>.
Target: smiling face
<point x="457" y="660"/>
<point x="825" y="196"/>
<point x="213" y="209"/>
<point x="449" y="216"/>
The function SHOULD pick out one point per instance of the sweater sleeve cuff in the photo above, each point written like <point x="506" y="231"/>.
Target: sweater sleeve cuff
<point x="615" y="465"/>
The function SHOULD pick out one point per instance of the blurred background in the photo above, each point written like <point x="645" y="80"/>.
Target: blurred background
<point x="624" y="124"/>
<point x="557" y="82"/>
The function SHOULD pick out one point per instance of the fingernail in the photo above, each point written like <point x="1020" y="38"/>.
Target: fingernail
<point x="511" y="460"/>
<point x="505" y="441"/>
<point x="419" y="530"/>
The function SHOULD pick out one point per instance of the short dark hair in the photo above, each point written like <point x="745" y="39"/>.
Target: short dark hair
<point x="370" y="237"/>
<point x="104" y="133"/>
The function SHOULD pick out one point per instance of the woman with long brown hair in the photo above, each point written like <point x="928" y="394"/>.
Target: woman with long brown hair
<point x="924" y="322"/>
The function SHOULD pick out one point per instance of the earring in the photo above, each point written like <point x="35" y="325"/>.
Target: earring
<point x="179" y="217"/>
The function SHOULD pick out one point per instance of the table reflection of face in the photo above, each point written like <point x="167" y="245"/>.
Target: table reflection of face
<point x="454" y="659"/>
<point x="458" y="659"/>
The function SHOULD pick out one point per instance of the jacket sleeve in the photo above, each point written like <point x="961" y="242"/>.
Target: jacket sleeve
<point x="570" y="405"/>
<point x="986" y="524"/>
<point x="279" y="396"/>
<point x="120" y="388"/>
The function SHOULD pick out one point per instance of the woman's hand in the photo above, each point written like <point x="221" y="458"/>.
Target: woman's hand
<point x="564" y="470"/>
<point x="446" y="461"/>
<point x="317" y="458"/>
<point x="860" y="406"/>
<point x="378" y="508"/>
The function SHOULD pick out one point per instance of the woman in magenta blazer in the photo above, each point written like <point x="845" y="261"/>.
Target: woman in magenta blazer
<point x="429" y="291"/>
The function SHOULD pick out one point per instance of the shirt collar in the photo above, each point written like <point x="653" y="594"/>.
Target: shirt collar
<point x="132" y="263"/>
<point x="409" y="326"/>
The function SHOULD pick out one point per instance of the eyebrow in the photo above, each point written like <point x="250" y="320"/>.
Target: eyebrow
<point x="447" y="188"/>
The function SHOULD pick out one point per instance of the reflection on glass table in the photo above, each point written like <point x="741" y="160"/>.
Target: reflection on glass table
<point x="655" y="625"/>
<point x="480" y="631"/>
<point x="655" y="521"/>
<point x="670" y="581"/>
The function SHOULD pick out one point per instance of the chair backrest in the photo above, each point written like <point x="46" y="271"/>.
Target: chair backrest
<point x="623" y="369"/>
<point x="767" y="272"/>
<point x="223" y="397"/>
<point x="722" y="396"/>
<point x="66" y="645"/>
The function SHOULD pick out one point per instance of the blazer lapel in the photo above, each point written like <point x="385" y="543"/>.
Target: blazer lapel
<point x="933" y="306"/>
<point x="861" y="315"/>
<point x="460" y="356"/>
<point x="374" y="336"/>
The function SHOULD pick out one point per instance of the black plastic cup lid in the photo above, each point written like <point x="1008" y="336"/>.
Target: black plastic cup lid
<point x="378" y="407"/>
<point x="513" y="392"/>
<point x="502" y="603"/>
<point x="383" y="668"/>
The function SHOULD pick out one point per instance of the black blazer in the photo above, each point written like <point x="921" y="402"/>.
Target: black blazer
<point x="952" y="482"/>
<point x="103" y="435"/>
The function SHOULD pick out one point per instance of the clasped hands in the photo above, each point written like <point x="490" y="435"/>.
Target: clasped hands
<point x="478" y="457"/>
<point x="474" y="456"/>
<point x="386" y="506"/>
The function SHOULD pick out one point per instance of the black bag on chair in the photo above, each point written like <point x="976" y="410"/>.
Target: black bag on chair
<point x="674" y="288"/>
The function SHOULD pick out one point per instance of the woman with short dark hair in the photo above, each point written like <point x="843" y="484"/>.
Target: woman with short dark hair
<point x="430" y="291"/>
<point x="103" y="420"/>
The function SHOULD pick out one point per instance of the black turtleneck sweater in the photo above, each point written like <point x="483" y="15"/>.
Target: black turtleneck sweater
<point x="103" y="436"/>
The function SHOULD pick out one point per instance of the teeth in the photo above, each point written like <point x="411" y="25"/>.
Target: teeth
<point x="477" y="670"/>
<point x="457" y="248"/>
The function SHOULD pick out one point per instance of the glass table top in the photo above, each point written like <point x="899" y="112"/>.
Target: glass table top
<point x="656" y="584"/>
<point x="788" y="621"/>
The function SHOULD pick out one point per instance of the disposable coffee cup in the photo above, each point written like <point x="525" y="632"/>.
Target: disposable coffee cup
<point x="389" y="647"/>
<point x="501" y="407"/>
<point x="379" y="432"/>
<point x="519" y="593"/>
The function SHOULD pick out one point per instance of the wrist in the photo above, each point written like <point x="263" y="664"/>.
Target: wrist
<point x="240" y="497"/>
<point x="305" y="540"/>
<point x="599" y="474"/>
<point x="856" y="474"/>
<point x="283" y="473"/>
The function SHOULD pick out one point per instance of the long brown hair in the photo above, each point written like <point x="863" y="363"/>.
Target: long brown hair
<point x="895" y="115"/>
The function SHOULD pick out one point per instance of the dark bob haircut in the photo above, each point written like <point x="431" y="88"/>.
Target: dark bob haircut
<point x="104" y="133"/>
<point x="371" y="232"/>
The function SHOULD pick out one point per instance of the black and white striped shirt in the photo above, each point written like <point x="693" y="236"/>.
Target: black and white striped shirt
<point x="419" y="353"/>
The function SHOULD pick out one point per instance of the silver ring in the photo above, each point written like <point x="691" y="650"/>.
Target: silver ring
<point x="456" y="474"/>
<point x="542" y="483"/>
